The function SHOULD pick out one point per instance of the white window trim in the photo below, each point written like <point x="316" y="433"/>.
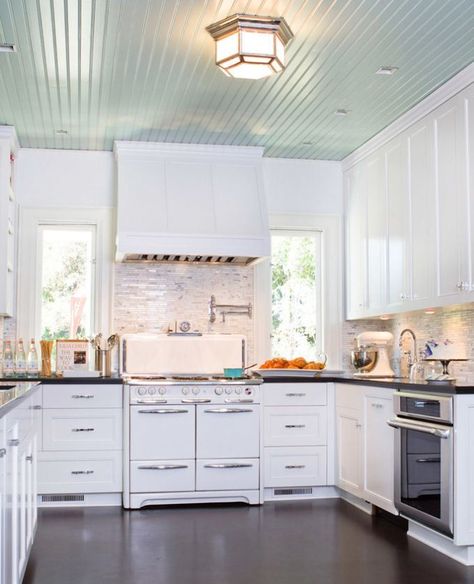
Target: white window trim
<point x="331" y="244"/>
<point x="28" y="261"/>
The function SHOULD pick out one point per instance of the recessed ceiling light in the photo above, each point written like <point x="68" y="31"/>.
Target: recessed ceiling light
<point x="342" y="112"/>
<point x="7" y="48"/>
<point x="307" y="143"/>
<point x="384" y="317"/>
<point x="386" y="70"/>
<point x="62" y="131"/>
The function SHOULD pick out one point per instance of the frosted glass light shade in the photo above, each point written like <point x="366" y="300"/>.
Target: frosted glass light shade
<point x="250" y="47"/>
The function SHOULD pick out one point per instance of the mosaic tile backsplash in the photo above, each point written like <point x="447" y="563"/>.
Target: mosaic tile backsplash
<point x="148" y="298"/>
<point x="454" y="323"/>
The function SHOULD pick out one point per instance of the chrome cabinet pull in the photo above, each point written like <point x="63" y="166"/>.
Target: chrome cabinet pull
<point x="295" y="425"/>
<point x="434" y="431"/>
<point x="163" y="411"/>
<point x="3" y="452"/>
<point x="29" y="458"/>
<point x="82" y="396"/>
<point x="293" y="466"/>
<point x="82" y="429"/>
<point x="36" y="407"/>
<point x="428" y="460"/>
<point x="295" y="394"/>
<point x="377" y="406"/>
<point x="228" y="465"/>
<point x="163" y="467"/>
<point x="198" y="400"/>
<point x="82" y="472"/>
<point x="14" y="442"/>
<point x="238" y="401"/>
<point x="228" y="411"/>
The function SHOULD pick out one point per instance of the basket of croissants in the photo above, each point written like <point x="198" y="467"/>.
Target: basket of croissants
<point x="299" y="363"/>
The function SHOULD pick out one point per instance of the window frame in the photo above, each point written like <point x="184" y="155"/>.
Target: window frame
<point x="29" y="260"/>
<point x="330" y="227"/>
<point x="320" y="344"/>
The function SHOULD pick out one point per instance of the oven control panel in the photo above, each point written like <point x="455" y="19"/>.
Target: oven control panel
<point x="189" y="393"/>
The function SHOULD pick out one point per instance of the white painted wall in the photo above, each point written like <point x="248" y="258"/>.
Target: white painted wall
<point x="82" y="178"/>
<point x="303" y="186"/>
<point x="64" y="178"/>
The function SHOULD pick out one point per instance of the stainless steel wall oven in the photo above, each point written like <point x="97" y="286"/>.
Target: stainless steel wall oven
<point x="424" y="458"/>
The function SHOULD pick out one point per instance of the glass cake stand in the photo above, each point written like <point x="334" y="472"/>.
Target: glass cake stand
<point x="445" y="363"/>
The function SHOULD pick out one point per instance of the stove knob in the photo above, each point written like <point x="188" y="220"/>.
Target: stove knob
<point x="248" y="391"/>
<point x="228" y="390"/>
<point x="238" y="390"/>
<point x="141" y="390"/>
<point x="152" y="390"/>
<point x="162" y="390"/>
<point x="195" y="390"/>
<point x="185" y="391"/>
<point x="218" y="390"/>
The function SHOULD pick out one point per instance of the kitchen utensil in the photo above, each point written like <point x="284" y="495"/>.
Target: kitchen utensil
<point x="364" y="359"/>
<point x="106" y="362"/>
<point x="46" y="350"/>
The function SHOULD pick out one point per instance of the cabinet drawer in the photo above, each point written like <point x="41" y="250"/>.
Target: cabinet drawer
<point x="79" y="472"/>
<point x="82" y="396"/>
<point x="295" y="426"/>
<point x="295" y="394"/>
<point x="295" y="466"/>
<point x="92" y="429"/>
<point x="156" y="476"/>
<point x="227" y="474"/>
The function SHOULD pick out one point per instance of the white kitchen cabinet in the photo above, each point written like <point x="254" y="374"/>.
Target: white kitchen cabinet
<point x="365" y="444"/>
<point x="296" y="436"/>
<point x="409" y="207"/>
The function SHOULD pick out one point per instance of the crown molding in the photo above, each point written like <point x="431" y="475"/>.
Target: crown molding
<point x="9" y="133"/>
<point x="446" y="91"/>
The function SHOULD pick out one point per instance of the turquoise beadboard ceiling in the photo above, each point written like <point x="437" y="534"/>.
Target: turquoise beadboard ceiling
<point x="104" y="70"/>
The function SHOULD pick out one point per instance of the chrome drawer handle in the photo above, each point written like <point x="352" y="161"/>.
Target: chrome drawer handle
<point x="14" y="442"/>
<point x="163" y="411"/>
<point x="228" y="411"/>
<point x="428" y="460"/>
<point x="229" y="465"/>
<point x="378" y="406"/>
<point x="292" y="466"/>
<point x="295" y="394"/>
<point x="295" y="425"/>
<point x="36" y="407"/>
<point x="29" y="458"/>
<point x="82" y="472"/>
<point x="196" y="401"/>
<point x="151" y="402"/>
<point x="163" y="467"/>
<point x="82" y="396"/>
<point x="238" y="401"/>
<point x="82" y="429"/>
<point x="3" y="452"/>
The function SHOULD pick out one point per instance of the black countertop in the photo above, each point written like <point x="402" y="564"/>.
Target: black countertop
<point x="12" y="393"/>
<point x="65" y="380"/>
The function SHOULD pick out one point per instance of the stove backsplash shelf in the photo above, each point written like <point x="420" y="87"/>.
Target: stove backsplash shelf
<point x="226" y="309"/>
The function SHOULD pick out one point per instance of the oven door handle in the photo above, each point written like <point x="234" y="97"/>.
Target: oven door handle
<point x="402" y="425"/>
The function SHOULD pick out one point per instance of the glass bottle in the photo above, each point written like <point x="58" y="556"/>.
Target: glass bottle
<point x="20" y="359"/>
<point x="8" y="361"/>
<point x="32" y="368"/>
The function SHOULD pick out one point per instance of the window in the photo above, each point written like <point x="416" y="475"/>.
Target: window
<point x="296" y="294"/>
<point x="66" y="278"/>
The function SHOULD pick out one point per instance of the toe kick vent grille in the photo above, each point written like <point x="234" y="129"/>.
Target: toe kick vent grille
<point x="289" y="492"/>
<point x="61" y="498"/>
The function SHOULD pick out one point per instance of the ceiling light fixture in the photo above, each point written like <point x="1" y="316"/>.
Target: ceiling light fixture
<point x="386" y="70"/>
<point x="7" y="48"/>
<point x="341" y="112"/>
<point x="62" y="131"/>
<point x="250" y="47"/>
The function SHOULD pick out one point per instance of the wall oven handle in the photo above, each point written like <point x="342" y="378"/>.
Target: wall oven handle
<point x="229" y="465"/>
<point x="163" y="467"/>
<point x="163" y="411"/>
<point x="228" y="411"/>
<point x="398" y="424"/>
<point x="428" y="460"/>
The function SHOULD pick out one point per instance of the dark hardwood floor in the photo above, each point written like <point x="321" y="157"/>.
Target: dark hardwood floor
<point x="317" y="542"/>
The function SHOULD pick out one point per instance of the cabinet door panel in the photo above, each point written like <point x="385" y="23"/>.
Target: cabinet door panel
<point x="349" y="451"/>
<point x="379" y="451"/>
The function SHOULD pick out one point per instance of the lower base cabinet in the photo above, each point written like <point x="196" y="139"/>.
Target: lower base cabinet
<point x="365" y="444"/>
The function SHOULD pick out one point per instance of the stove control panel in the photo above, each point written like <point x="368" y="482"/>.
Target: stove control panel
<point x="155" y="393"/>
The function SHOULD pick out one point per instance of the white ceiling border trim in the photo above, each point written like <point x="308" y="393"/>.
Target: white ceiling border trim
<point x="449" y="89"/>
<point x="137" y="148"/>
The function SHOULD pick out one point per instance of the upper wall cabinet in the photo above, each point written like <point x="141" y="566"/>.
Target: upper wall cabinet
<point x="408" y="222"/>
<point x="8" y="214"/>
<point x="190" y="200"/>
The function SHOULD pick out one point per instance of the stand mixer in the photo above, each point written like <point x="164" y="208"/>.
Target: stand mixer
<point x="370" y="357"/>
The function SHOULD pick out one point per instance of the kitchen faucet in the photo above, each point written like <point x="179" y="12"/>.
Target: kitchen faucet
<point x="411" y="356"/>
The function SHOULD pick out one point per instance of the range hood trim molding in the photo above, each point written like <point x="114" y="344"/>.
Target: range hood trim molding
<point x="142" y="150"/>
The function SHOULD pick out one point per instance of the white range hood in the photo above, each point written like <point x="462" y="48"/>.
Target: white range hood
<point x="190" y="203"/>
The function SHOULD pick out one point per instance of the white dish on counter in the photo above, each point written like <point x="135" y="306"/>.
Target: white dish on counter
<point x="268" y="373"/>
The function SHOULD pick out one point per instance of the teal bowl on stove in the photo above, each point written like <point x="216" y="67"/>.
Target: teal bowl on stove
<point x="233" y="372"/>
